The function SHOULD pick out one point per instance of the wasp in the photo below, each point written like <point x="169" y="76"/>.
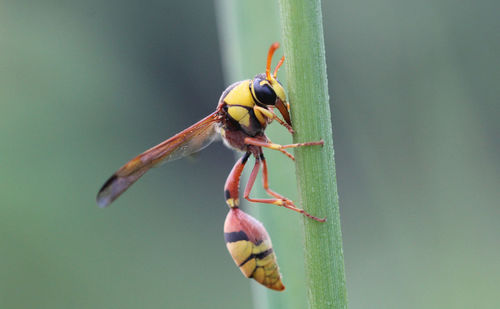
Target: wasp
<point x="244" y="110"/>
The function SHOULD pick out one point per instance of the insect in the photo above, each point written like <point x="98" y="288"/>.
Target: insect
<point x="244" y="110"/>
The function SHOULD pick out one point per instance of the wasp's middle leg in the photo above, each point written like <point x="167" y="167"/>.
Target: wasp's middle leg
<point x="268" y="144"/>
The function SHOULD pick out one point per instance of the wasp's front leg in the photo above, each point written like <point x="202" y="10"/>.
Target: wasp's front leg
<point x="271" y="115"/>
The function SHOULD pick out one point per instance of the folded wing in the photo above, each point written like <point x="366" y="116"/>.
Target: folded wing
<point x="189" y="141"/>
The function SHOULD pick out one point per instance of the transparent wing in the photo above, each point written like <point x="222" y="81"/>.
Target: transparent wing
<point x="189" y="141"/>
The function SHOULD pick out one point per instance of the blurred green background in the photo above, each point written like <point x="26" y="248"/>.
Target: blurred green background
<point x="86" y="85"/>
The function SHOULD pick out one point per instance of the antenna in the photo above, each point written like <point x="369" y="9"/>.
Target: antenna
<point x="270" y="54"/>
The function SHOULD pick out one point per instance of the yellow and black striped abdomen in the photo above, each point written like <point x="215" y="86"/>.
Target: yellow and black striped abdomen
<point x="250" y="246"/>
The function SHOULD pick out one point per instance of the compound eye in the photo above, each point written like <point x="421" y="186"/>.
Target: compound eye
<point x="263" y="91"/>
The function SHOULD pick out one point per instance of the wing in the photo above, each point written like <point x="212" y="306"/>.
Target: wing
<point x="191" y="140"/>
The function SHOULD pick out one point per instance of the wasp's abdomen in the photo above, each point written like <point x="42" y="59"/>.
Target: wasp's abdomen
<point x="251" y="249"/>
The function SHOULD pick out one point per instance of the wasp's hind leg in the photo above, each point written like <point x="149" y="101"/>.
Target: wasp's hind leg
<point x="231" y="188"/>
<point x="279" y="200"/>
<point x="265" y="181"/>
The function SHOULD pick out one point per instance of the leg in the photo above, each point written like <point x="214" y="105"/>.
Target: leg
<point x="279" y="200"/>
<point x="267" y="144"/>
<point x="265" y="181"/>
<point x="270" y="114"/>
<point x="281" y="122"/>
<point x="231" y="188"/>
<point x="283" y="151"/>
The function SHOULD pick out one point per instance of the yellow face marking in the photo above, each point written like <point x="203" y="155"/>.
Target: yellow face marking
<point x="240" y="95"/>
<point x="278" y="89"/>
<point x="264" y="82"/>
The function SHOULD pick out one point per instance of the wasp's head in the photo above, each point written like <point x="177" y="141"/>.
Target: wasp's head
<point x="267" y="90"/>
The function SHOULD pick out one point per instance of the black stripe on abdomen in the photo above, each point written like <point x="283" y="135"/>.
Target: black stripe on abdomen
<point x="235" y="236"/>
<point x="258" y="256"/>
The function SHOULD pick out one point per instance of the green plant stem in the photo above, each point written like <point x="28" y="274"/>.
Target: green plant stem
<point x="308" y="94"/>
